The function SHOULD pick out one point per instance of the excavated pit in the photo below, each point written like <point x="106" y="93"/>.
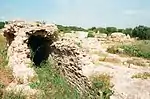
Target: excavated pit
<point x="40" y="49"/>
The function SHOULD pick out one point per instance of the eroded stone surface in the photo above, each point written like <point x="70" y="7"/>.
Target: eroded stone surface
<point x="65" y="52"/>
<point x="17" y="35"/>
<point x="69" y="59"/>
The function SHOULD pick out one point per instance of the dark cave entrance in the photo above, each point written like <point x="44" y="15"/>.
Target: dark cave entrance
<point x="40" y="49"/>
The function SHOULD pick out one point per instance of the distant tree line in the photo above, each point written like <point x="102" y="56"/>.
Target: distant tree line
<point x="68" y="29"/>
<point x="142" y="32"/>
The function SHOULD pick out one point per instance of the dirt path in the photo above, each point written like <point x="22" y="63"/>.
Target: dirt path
<point x="125" y="87"/>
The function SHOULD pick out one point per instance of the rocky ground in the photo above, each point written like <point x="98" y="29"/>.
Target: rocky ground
<point x="125" y="87"/>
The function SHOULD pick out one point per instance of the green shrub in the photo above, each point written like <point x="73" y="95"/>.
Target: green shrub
<point x="2" y="85"/>
<point x="102" y="86"/>
<point x="131" y="50"/>
<point x="90" y="34"/>
<point x="139" y="49"/>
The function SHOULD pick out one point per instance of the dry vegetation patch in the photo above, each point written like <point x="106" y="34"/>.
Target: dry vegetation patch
<point x="139" y="48"/>
<point x="5" y="76"/>
<point x="145" y="75"/>
<point x="5" y="73"/>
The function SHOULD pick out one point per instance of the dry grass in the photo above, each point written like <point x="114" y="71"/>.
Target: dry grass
<point x="12" y="95"/>
<point x="110" y="59"/>
<point x="139" y="62"/>
<point x="5" y="72"/>
<point x="6" y="76"/>
<point x="145" y="75"/>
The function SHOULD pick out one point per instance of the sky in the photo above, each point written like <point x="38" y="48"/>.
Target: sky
<point x="83" y="13"/>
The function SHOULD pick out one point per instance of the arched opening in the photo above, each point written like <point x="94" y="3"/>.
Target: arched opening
<point x="40" y="49"/>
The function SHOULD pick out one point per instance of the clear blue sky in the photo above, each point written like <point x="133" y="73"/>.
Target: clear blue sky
<point x="85" y="13"/>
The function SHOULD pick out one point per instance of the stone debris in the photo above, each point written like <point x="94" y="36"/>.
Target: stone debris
<point x="77" y="34"/>
<point x="81" y="34"/>
<point x="125" y="87"/>
<point x="23" y="88"/>
<point x="101" y="36"/>
<point x="119" y="37"/>
<point x="114" y="37"/>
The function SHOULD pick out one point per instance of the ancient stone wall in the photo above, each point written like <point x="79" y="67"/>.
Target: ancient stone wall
<point x="19" y="58"/>
<point x="68" y="57"/>
<point x="41" y="38"/>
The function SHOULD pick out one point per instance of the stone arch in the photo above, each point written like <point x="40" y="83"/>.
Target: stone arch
<point x="40" y="48"/>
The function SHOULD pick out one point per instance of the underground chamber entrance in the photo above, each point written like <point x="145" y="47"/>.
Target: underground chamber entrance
<point x="40" y="49"/>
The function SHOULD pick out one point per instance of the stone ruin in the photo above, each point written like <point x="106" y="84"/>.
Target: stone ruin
<point x="119" y="37"/>
<point x="114" y="37"/>
<point x="42" y="39"/>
